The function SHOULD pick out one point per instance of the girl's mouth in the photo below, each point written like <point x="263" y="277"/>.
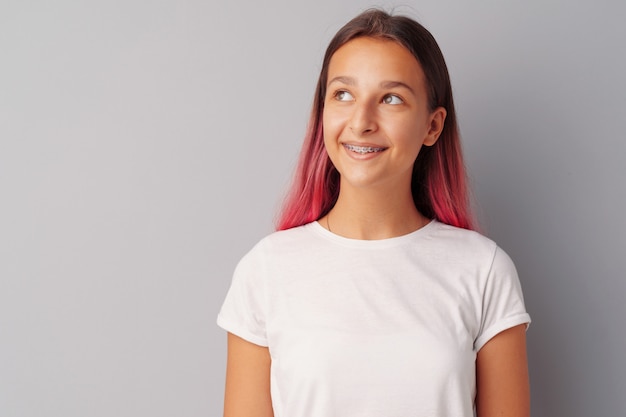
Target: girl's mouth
<point x="362" y="149"/>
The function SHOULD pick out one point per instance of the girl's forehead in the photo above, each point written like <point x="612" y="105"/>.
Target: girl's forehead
<point x="374" y="58"/>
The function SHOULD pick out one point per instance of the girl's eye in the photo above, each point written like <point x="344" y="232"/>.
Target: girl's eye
<point x="343" y="96"/>
<point x="392" y="99"/>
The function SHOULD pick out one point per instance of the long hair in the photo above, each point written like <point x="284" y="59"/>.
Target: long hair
<point x="439" y="182"/>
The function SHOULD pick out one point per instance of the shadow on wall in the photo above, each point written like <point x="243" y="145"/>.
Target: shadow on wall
<point x="544" y="192"/>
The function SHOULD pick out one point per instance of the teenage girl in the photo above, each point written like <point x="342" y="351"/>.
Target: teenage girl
<point x="376" y="297"/>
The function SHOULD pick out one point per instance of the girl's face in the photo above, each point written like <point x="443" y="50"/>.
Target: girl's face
<point x="376" y="115"/>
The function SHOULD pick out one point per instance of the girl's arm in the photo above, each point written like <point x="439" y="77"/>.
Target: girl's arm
<point x="247" y="380"/>
<point x="502" y="376"/>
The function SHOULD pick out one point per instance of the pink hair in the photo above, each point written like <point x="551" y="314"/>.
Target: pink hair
<point x="439" y="183"/>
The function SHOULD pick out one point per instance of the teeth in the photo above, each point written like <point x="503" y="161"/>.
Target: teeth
<point x="362" y="149"/>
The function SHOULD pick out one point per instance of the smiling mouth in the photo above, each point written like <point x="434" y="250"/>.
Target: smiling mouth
<point x="362" y="149"/>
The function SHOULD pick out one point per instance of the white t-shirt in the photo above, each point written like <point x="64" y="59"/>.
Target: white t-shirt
<point x="364" y="328"/>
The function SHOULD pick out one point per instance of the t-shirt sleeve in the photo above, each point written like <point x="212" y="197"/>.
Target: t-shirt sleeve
<point x="244" y="310"/>
<point x="503" y="302"/>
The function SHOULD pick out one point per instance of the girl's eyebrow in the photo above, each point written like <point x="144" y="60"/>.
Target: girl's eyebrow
<point x="395" y="84"/>
<point x="384" y="85"/>
<point x="343" y="79"/>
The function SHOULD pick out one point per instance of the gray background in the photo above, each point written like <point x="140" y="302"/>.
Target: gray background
<point x="144" y="146"/>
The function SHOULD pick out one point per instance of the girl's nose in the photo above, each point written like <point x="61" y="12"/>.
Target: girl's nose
<point x="363" y="120"/>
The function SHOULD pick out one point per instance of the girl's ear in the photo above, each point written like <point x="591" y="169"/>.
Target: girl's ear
<point x="437" y="119"/>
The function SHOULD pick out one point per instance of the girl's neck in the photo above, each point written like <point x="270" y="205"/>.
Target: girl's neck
<point x="373" y="215"/>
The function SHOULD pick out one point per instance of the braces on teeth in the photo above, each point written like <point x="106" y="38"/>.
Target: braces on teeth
<point x="362" y="149"/>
